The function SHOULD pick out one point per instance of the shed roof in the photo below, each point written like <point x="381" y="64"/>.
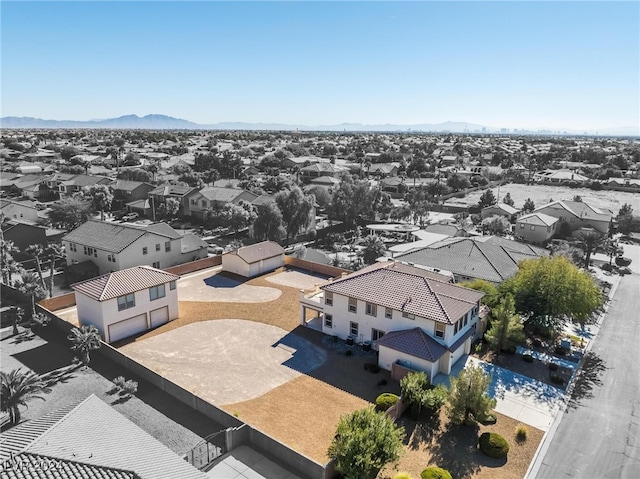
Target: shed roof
<point x="259" y="251"/>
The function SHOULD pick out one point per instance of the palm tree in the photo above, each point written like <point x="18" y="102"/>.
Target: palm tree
<point x="30" y="285"/>
<point x="18" y="387"/>
<point x="16" y="317"/>
<point x="54" y="251"/>
<point x="590" y="240"/>
<point x="85" y="339"/>
<point x="7" y="248"/>
<point x="36" y="250"/>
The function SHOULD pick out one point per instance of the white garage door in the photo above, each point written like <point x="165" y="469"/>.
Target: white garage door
<point x="128" y="327"/>
<point x="458" y="353"/>
<point x="159" y="316"/>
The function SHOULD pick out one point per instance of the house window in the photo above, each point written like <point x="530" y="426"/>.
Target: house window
<point x="466" y="319"/>
<point x="439" y="332"/>
<point x="157" y="246"/>
<point x="376" y="334"/>
<point x="85" y="250"/>
<point x="145" y="250"/>
<point x="371" y="309"/>
<point x="111" y="257"/>
<point x="204" y="203"/>
<point x="521" y="226"/>
<point x="408" y="315"/>
<point x="353" y="329"/>
<point x="328" y="321"/>
<point x="353" y="305"/>
<point x="156" y="264"/>
<point x="172" y="285"/>
<point x="388" y="313"/>
<point x="167" y="246"/>
<point x="72" y="247"/>
<point x="194" y="202"/>
<point x="533" y="228"/>
<point x="328" y="298"/>
<point x="127" y="301"/>
<point x="156" y="292"/>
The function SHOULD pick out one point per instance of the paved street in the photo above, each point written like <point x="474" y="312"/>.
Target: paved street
<point x="598" y="436"/>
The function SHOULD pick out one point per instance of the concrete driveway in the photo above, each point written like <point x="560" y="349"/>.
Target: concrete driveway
<point x="211" y="286"/>
<point x="228" y="360"/>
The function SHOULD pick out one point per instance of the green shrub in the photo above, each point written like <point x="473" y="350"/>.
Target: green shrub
<point x="521" y="433"/>
<point x="488" y="419"/>
<point x="493" y="445"/>
<point x="435" y="473"/>
<point x="402" y="475"/>
<point x="527" y="358"/>
<point x="385" y="401"/>
<point x="557" y="379"/>
<point x="435" y="398"/>
<point x="553" y="366"/>
<point x="119" y="382"/>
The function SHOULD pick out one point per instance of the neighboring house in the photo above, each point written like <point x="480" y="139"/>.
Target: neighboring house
<point x="536" y="228"/>
<point x="317" y="170"/>
<point x="29" y="186"/>
<point x="578" y="214"/>
<point x="253" y="260"/>
<point x="415" y="317"/>
<point x="327" y="181"/>
<point x="25" y="234"/>
<point x="215" y="197"/>
<point x="78" y="182"/>
<point x="501" y="209"/>
<point x="125" y="191"/>
<point x="88" y="439"/>
<point x="491" y="258"/>
<point x="160" y="194"/>
<point x="383" y="170"/>
<point x="19" y="210"/>
<point x="117" y="246"/>
<point x="559" y="177"/>
<point x="127" y="302"/>
<point x="446" y="229"/>
<point x="300" y="161"/>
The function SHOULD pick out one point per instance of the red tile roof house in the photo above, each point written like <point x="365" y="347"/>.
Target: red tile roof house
<point x="415" y="317"/>
<point x="253" y="260"/>
<point x="127" y="302"/>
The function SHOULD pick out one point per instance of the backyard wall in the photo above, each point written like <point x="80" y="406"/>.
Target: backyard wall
<point x="196" y="265"/>
<point x="314" y="267"/>
<point x="59" y="302"/>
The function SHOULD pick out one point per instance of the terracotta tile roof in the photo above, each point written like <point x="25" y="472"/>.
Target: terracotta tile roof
<point x="259" y="251"/>
<point x="36" y="466"/>
<point x="408" y="289"/>
<point x="94" y="433"/>
<point x="126" y="281"/>
<point x="114" y="237"/>
<point x="485" y="257"/>
<point x="414" y="342"/>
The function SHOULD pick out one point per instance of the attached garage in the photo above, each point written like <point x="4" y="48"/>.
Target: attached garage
<point x="159" y="316"/>
<point x="128" y="327"/>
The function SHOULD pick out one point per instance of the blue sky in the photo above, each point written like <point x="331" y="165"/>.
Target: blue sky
<point x="572" y="65"/>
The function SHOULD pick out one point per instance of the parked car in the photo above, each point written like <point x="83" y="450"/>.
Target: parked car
<point x="624" y="270"/>
<point x="130" y="217"/>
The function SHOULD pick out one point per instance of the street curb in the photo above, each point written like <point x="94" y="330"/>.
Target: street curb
<point x="543" y="447"/>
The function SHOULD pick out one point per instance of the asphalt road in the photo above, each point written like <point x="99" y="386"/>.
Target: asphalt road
<point x="599" y="435"/>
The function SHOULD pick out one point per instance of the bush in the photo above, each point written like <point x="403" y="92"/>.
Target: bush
<point x="385" y="401"/>
<point x="435" y="473"/>
<point x="435" y="398"/>
<point x="521" y="433"/>
<point x="402" y="475"/>
<point x="119" y="382"/>
<point x="560" y="351"/>
<point x="130" y="387"/>
<point x="557" y="379"/>
<point x="493" y="445"/>
<point x="527" y="358"/>
<point x="553" y="366"/>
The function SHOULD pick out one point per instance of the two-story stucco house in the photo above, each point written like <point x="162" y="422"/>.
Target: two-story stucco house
<point x="536" y="227"/>
<point x="578" y="214"/>
<point x="215" y="197"/>
<point x="114" y="246"/>
<point x="415" y="317"/>
<point x="127" y="302"/>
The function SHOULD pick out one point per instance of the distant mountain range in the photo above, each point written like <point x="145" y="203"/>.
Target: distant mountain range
<point x="164" y="122"/>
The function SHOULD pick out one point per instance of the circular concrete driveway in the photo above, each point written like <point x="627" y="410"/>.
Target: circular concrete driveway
<point x="228" y="360"/>
<point x="211" y="286"/>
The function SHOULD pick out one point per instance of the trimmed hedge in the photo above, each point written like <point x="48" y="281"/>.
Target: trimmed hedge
<point x="493" y="445"/>
<point x="435" y="473"/>
<point x="385" y="401"/>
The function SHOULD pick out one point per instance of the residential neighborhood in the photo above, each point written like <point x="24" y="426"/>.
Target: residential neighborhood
<point x="260" y="287"/>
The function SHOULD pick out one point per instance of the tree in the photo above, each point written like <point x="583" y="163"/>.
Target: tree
<point x="54" y="251"/>
<point x="419" y="203"/>
<point x="16" y="314"/>
<point x="237" y="217"/>
<point x="7" y="263"/>
<point x="373" y="248"/>
<point x="590" y="240"/>
<point x="353" y="201"/>
<point x="507" y="200"/>
<point x="36" y="251"/>
<point x="30" y="285"/>
<point x="495" y="225"/>
<point x="69" y="213"/>
<point x="268" y="223"/>
<point x="487" y="199"/>
<point x="506" y="329"/>
<point x="169" y="208"/>
<point x="528" y="206"/>
<point x="16" y="389"/>
<point x="491" y="297"/>
<point x="69" y="152"/>
<point x="364" y="443"/>
<point x="468" y="396"/>
<point x="413" y="388"/>
<point x="321" y="194"/>
<point x="295" y="208"/>
<point x="100" y="198"/>
<point x="550" y="290"/>
<point x="135" y="174"/>
<point x="624" y="210"/>
<point x="457" y="182"/>
<point x="85" y="339"/>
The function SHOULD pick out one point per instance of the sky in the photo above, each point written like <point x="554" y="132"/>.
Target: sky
<point x="513" y="64"/>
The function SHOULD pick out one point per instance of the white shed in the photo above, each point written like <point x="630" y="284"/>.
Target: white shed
<point x="127" y="302"/>
<point x="253" y="260"/>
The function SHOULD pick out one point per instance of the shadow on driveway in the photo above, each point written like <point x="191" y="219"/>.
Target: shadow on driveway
<point x="305" y="357"/>
<point x="220" y="281"/>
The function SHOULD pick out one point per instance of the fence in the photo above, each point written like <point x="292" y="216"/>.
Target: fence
<point x="59" y="302"/>
<point x="314" y="267"/>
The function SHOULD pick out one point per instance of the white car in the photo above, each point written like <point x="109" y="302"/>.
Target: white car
<point x="130" y="217"/>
